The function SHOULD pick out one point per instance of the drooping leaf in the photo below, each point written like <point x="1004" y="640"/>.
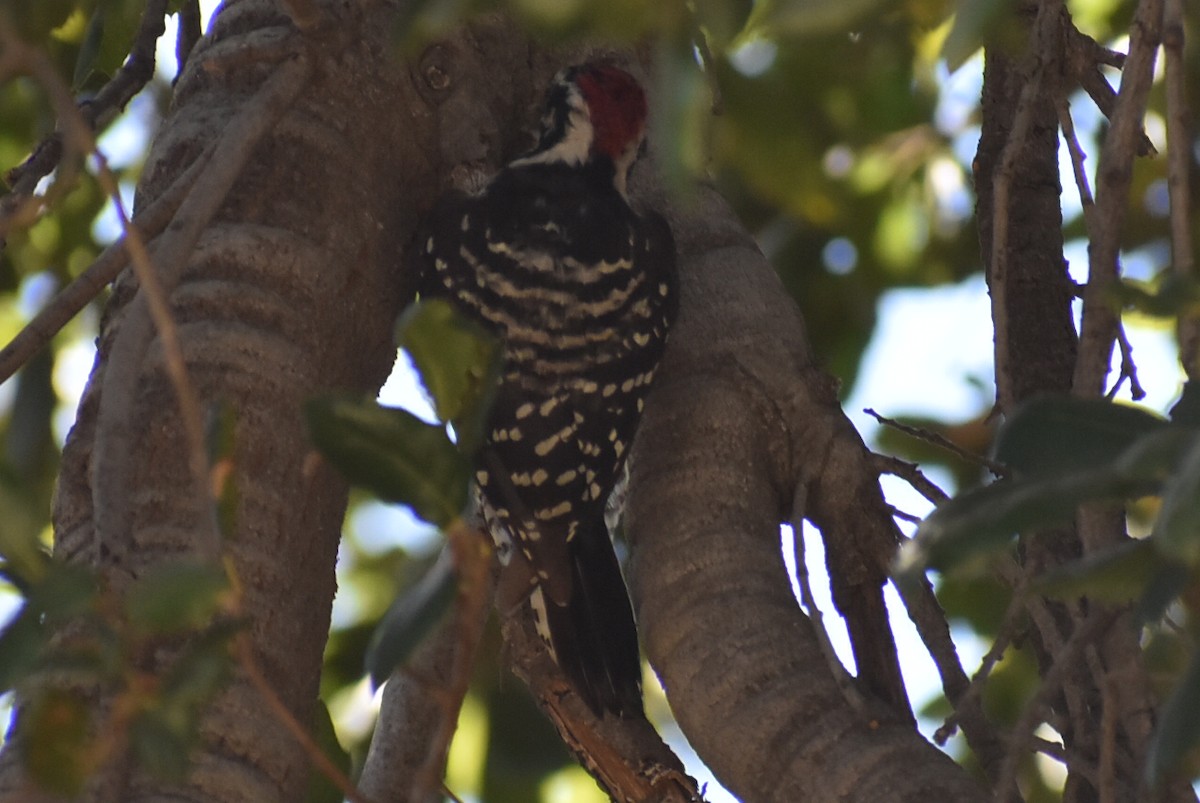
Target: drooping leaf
<point x="89" y="49"/>
<point x="320" y="788"/>
<point x="167" y="727"/>
<point x="1179" y="729"/>
<point x="459" y="363"/>
<point x="1177" y="529"/>
<point x="986" y="519"/>
<point x="1170" y="580"/>
<point x="1186" y="411"/>
<point x="221" y="431"/>
<point x="393" y="454"/>
<point x="198" y="673"/>
<point x="410" y="619"/>
<point x="35" y="21"/>
<point x="1055" y="434"/>
<point x="1119" y="575"/>
<point x="63" y="592"/>
<point x="54" y="727"/>
<point x="21" y="644"/>
<point x="1170" y="295"/>
<point x="176" y="596"/>
<point x="973" y="22"/>
<point x="808" y="17"/>
<point x="159" y="748"/>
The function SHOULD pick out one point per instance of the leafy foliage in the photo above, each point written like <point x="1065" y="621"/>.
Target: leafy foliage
<point x="1065" y="452"/>
<point x="830" y="146"/>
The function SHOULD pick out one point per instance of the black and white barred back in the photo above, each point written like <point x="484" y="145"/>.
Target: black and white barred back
<point x="581" y="291"/>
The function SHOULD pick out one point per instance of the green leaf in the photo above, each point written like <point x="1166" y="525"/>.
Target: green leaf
<point x="393" y="454"/>
<point x="221" y="436"/>
<point x="409" y="620"/>
<point x="1186" y="411"/>
<point x="986" y="519"/>
<point x="809" y="17"/>
<point x="165" y="731"/>
<point x="973" y="21"/>
<point x="459" y="363"/>
<point x="54" y="728"/>
<point x="159" y="748"/>
<point x="21" y="644"/>
<point x="1179" y="729"/>
<point x="1170" y="295"/>
<point x="35" y="20"/>
<point x="64" y="592"/>
<point x="1119" y="575"/>
<point x="176" y="596"/>
<point x="89" y="50"/>
<point x="1170" y="580"/>
<point x="1055" y="434"/>
<point x="1177" y="530"/>
<point x="320" y="788"/>
<point x="197" y="675"/>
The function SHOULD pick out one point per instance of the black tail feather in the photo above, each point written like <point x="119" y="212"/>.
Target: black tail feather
<point x="594" y="635"/>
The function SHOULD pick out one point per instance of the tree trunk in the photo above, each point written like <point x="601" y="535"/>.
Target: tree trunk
<point x="292" y="289"/>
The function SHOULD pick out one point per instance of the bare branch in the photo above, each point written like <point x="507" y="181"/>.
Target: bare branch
<point x="1128" y="368"/>
<point x="934" y="438"/>
<point x="1114" y="172"/>
<point x="96" y="113"/>
<point x="912" y="474"/>
<point x="1054" y="681"/>
<point x="245" y="658"/>
<point x="472" y="556"/>
<point x="116" y="433"/>
<point x="188" y="34"/>
<point x="840" y="676"/>
<point x="1179" y="150"/>
<point x="50" y="320"/>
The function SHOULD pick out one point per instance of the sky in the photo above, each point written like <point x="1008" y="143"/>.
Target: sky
<point x="930" y="356"/>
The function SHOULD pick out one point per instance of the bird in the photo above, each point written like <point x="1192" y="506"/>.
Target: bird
<point x="581" y="291"/>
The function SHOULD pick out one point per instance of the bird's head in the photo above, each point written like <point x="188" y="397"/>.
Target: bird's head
<point x="595" y="113"/>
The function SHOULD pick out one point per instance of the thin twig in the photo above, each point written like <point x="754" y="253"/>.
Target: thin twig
<point x="840" y="676"/>
<point x="970" y="699"/>
<point x="188" y="34"/>
<point x="472" y="557"/>
<point x="78" y="132"/>
<point x="50" y="320"/>
<point x="1179" y="150"/>
<point x="1053" y="681"/>
<point x="910" y="473"/>
<point x="245" y="658"/>
<point x="1048" y="23"/>
<point x="97" y="113"/>
<point x="1113" y="176"/>
<point x="1128" y="368"/>
<point x="1109" y="700"/>
<point x="911" y="518"/>
<point x="116" y="428"/>
<point x="1077" y="159"/>
<point x="934" y="438"/>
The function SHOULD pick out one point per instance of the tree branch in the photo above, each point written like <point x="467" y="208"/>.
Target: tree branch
<point x="737" y="420"/>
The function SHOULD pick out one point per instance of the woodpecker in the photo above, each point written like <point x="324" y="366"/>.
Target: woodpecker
<point x="581" y="291"/>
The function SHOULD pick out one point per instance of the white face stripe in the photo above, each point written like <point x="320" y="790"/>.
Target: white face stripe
<point x="576" y="146"/>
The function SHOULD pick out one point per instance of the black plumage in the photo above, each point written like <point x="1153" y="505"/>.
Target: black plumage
<point x="581" y="291"/>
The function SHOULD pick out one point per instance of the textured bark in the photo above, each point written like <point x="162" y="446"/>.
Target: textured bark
<point x="1036" y="342"/>
<point x="1027" y="72"/>
<point x="741" y="428"/>
<point x="291" y="291"/>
